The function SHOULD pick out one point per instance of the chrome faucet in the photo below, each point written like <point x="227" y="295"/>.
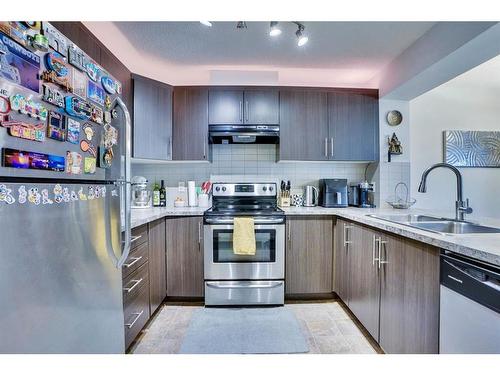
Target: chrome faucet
<point x="461" y="207"/>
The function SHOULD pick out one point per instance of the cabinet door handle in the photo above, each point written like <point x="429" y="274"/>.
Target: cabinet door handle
<point x="170" y="147"/>
<point x="135" y="260"/>
<point x="380" y="261"/>
<point x="136" y="283"/>
<point x="246" y="110"/>
<point x="199" y="236"/>
<point x="326" y="147"/>
<point x="138" y="315"/>
<point x="135" y="238"/>
<point x="375" y="247"/>
<point x="204" y="147"/>
<point x="346" y="235"/>
<point x="331" y="139"/>
<point x="241" y="111"/>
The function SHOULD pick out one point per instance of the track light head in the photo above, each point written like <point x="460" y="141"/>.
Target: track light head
<point x="274" y="29"/>
<point x="301" y="37"/>
<point x="206" y="23"/>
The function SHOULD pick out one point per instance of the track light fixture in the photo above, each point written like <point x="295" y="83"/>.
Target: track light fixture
<point x="274" y="29"/>
<point x="301" y="37"/>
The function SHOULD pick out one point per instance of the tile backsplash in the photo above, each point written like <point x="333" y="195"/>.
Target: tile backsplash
<point x="249" y="162"/>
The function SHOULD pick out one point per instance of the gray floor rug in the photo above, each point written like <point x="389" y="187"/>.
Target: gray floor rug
<point x="270" y="330"/>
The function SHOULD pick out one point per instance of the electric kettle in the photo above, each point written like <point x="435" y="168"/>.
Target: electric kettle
<point x="310" y="196"/>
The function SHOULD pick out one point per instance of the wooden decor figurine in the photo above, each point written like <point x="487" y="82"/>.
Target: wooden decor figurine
<point x="395" y="147"/>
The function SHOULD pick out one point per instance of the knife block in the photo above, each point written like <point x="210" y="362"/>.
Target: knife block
<point x="284" y="201"/>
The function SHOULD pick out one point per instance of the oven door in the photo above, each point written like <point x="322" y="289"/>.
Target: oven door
<point x="221" y="263"/>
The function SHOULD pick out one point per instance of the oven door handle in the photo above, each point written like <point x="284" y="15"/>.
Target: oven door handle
<point x="209" y="220"/>
<point x="272" y="284"/>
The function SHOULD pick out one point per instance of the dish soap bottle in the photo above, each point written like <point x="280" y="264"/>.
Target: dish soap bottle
<point x="156" y="195"/>
<point x="163" y="195"/>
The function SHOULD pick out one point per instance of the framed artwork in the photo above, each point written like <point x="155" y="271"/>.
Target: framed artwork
<point x="472" y="148"/>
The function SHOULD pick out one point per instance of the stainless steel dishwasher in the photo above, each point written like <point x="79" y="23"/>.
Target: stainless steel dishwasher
<point x="470" y="306"/>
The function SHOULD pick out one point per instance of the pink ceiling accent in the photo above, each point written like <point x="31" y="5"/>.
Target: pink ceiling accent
<point x="175" y="74"/>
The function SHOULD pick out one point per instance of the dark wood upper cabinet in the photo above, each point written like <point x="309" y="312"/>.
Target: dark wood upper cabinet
<point x="309" y="254"/>
<point x="353" y="126"/>
<point x="261" y="107"/>
<point x="303" y="125"/>
<point x="225" y="107"/>
<point x="190" y="126"/>
<point x="253" y="106"/>
<point x="152" y="119"/>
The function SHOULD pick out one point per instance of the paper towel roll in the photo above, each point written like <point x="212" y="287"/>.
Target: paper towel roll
<point x="191" y="194"/>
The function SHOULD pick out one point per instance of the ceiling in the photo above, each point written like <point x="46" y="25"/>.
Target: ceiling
<point x="335" y="45"/>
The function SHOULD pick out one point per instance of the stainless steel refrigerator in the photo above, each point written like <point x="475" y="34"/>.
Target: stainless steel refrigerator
<point x="64" y="196"/>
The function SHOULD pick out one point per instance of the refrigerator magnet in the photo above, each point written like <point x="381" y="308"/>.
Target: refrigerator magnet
<point x="45" y="197"/>
<point x="22" y="194"/>
<point x="53" y="96"/>
<point x="58" y="193"/>
<point x="74" y="197"/>
<point x="66" y="196"/>
<point x="73" y="162"/>
<point x="79" y="83"/>
<point x="78" y="107"/>
<point x="91" y="194"/>
<point x="77" y="58"/>
<point x="82" y="195"/>
<point x="97" y="115"/>
<point x="89" y="165"/>
<point x="107" y="103"/>
<point x="73" y="130"/>
<point x="56" y="40"/>
<point x="6" y="194"/>
<point x="56" y="126"/>
<point x="109" y="85"/>
<point x="96" y="93"/>
<point x="92" y="70"/>
<point x="34" y="196"/>
<point x="56" y="63"/>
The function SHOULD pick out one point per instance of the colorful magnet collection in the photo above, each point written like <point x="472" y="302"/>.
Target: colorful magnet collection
<point x="37" y="57"/>
<point x="36" y="196"/>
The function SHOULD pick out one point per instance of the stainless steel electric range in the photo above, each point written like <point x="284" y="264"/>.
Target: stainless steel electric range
<point x="242" y="279"/>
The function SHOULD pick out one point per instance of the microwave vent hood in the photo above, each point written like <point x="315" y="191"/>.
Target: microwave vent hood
<point x="259" y="134"/>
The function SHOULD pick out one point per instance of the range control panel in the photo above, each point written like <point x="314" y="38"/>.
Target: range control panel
<point x="267" y="189"/>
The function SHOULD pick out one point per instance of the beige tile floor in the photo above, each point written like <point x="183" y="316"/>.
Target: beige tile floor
<point x="327" y="327"/>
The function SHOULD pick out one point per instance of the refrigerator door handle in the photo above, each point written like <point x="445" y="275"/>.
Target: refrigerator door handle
<point x="124" y="185"/>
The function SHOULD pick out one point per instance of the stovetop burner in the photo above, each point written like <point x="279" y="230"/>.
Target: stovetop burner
<point x="244" y="199"/>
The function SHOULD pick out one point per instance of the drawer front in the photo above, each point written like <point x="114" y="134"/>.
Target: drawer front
<point x="139" y="236"/>
<point x="136" y="316"/>
<point x="135" y="284"/>
<point x="136" y="258"/>
<point x="222" y="293"/>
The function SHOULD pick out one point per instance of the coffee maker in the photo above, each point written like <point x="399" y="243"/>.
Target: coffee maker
<point x="360" y="195"/>
<point x="333" y="192"/>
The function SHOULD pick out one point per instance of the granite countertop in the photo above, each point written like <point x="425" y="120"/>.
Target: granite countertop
<point x="145" y="215"/>
<point x="485" y="247"/>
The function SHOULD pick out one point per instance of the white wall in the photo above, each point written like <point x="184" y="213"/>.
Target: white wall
<point x="461" y="104"/>
<point x="387" y="175"/>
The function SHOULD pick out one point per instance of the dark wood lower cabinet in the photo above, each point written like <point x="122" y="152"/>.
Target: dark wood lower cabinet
<point x="157" y="264"/>
<point x="364" y="285"/>
<point x="185" y="257"/>
<point x="397" y="301"/>
<point x="308" y="255"/>
<point x="341" y="260"/>
<point x="409" y="297"/>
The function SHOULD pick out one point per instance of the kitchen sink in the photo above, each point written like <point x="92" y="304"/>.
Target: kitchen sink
<point x="406" y="218"/>
<point x="436" y="224"/>
<point x="454" y="227"/>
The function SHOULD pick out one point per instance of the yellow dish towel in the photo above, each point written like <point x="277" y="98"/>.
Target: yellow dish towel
<point x="244" y="236"/>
